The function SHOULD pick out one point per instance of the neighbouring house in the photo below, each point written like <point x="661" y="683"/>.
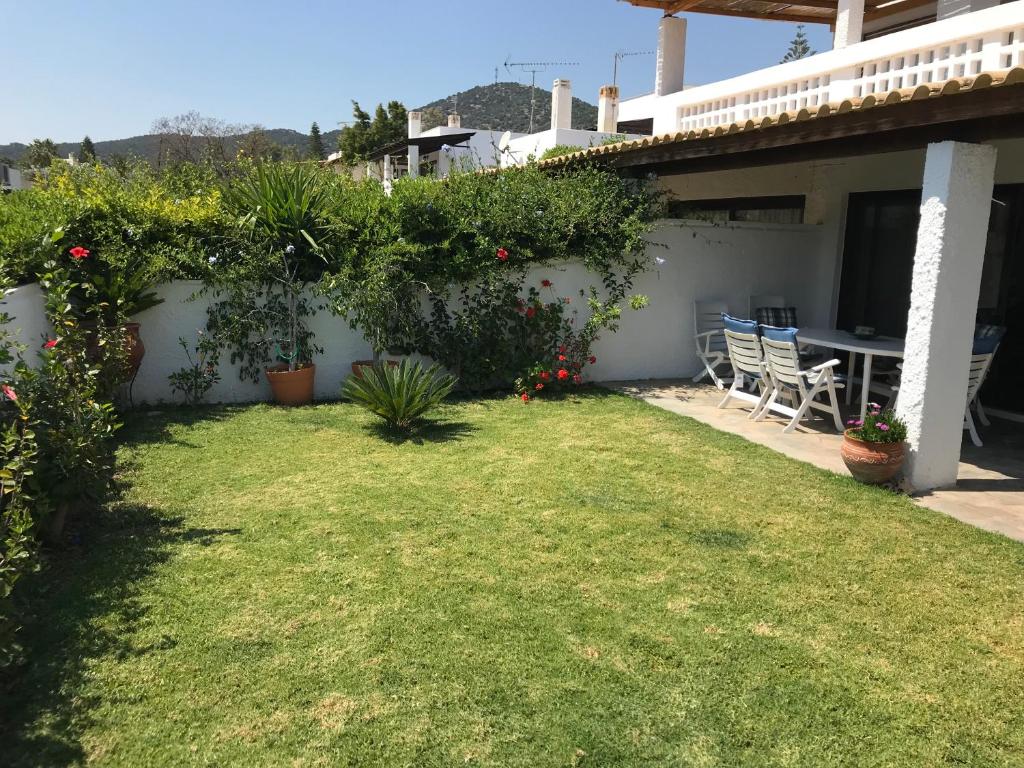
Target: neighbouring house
<point x="880" y="183"/>
<point x="436" y="151"/>
<point x="519" y="150"/>
<point x="12" y="179"/>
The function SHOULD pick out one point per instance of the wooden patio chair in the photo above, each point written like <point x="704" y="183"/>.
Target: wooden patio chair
<point x="710" y="340"/>
<point x="790" y="381"/>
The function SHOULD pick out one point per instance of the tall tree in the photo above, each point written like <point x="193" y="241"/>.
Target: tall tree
<point x="799" y="47"/>
<point x="40" y="153"/>
<point x="316" y="143"/>
<point x="363" y="134"/>
<point x="86" y="151"/>
<point x="192" y="138"/>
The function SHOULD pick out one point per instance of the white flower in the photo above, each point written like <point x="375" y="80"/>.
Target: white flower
<point x="212" y="260"/>
<point x="658" y="260"/>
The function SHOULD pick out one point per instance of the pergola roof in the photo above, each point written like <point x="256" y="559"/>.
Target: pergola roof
<point x="802" y="11"/>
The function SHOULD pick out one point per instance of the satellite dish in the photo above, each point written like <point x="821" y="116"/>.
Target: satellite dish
<point x="506" y="137"/>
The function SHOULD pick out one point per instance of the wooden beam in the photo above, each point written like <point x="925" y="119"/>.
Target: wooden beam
<point x="786" y="16"/>
<point x="681" y="5"/>
<point x="889" y="10"/>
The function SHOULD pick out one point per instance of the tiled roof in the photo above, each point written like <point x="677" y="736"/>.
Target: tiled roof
<point x="930" y="91"/>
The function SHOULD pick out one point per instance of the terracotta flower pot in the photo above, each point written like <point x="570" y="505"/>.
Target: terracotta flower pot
<point x="358" y="365"/>
<point x="872" y="463"/>
<point x="292" y="387"/>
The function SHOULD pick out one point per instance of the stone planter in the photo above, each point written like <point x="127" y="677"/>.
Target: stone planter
<point x="872" y="463"/>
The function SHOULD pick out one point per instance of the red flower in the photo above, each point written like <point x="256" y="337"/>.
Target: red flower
<point x="525" y="397"/>
<point x="593" y="359"/>
<point x="502" y="254"/>
<point x="561" y="358"/>
<point x="538" y="386"/>
<point x="562" y="374"/>
<point x="577" y="378"/>
<point x="530" y="312"/>
<point x="79" y="253"/>
<point x="562" y="349"/>
<point x="9" y="392"/>
<point x="544" y="375"/>
<point x="546" y="283"/>
<point x="50" y="344"/>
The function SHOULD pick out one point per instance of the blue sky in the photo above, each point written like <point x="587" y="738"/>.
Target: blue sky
<point x="108" y="68"/>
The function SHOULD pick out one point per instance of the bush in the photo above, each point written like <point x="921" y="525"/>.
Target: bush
<point x="401" y="395"/>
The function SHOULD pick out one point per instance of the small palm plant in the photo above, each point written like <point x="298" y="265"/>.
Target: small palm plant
<point x="400" y="395"/>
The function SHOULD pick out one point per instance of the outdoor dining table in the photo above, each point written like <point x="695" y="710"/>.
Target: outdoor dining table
<point x="879" y="346"/>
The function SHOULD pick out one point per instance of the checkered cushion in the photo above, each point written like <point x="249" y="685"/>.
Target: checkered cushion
<point x="780" y="317"/>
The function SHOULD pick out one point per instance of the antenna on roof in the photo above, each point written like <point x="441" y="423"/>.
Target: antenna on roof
<point x="619" y="56"/>
<point x="533" y="67"/>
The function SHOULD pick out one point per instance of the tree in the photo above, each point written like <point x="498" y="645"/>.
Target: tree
<point x="40" y="153"/>
<point x="255" y="144"/>
<point x="192" y="138"/>
<point x="799" y="47"/>
<point x="363" y="135"/>
<point x="316" y="143"/>
<point x="86" y="151"/>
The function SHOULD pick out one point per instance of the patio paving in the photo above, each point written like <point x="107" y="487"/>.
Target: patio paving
<point x="988" y="493"/>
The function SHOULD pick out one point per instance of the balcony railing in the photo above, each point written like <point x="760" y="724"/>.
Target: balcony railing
<point x="982" y="41"/>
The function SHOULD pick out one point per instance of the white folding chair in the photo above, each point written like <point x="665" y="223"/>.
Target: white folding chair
<point x="747" y="361"/>
<point x="710" y="340"/>
<point x="789" y="380"/>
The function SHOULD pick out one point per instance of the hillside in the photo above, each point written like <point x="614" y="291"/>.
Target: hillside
<point x="500" y="106"/>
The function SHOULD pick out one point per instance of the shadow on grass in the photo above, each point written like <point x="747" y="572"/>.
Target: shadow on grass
<point x="422" y="433"/>
<point x="84" y="605"/>
<point x="154" y="425"/>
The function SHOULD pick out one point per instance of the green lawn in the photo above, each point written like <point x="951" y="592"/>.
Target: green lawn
<point x="586" y="582"/>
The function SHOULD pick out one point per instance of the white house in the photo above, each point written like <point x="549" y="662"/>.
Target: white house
<point x="438" y="151"/>
<point x="880" y="183"/>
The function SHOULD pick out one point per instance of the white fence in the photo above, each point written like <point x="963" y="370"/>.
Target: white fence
<point x="982" y="41"/>
<point x="692" y="261"/>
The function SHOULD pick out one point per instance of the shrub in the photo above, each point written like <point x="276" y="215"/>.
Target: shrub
<point x="559" y="150"/>
<point x="878" y="426"/>
<point x="401" y="395"/>
<point x="198" y="377"/>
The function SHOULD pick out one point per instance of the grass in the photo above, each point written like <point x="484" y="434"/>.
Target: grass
<point x="586" y="582"/>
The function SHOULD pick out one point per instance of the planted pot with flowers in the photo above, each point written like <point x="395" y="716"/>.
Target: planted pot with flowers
<point x="874" y="449"/>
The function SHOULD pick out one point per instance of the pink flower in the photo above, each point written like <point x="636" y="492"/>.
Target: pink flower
<point x="9" y="392"/>
<point x="884" y="427"/>
<point x="561" y="358"/>
<point x="593" y="359"/>
<point x="50" y="344"/>
<point x="78" y="253"/>
<point x="563" y="374"/>
<point x="538" y="386"/>
<point x="577" y="378"/>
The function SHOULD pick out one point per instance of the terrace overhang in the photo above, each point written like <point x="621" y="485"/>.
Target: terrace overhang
<point x="801" y="11"/>
<point x="975" y="109"/>
<point x="425" y="144"/>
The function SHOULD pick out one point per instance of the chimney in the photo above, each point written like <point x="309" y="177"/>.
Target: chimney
<point x="608" y="109"/>
<point x="454" y="121"/>
<point x="561" y="104"/>
<point x="415" y="124"/>
<point x="671" y="55"/>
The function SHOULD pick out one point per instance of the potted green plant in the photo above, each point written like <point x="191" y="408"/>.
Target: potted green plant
<point x="282" y="227"/>
<point x="874" y="449"/>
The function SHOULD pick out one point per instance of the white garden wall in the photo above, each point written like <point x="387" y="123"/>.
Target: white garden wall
<point x="693" y="261"/>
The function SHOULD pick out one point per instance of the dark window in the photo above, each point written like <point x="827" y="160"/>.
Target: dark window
<point x="787" y="209"/>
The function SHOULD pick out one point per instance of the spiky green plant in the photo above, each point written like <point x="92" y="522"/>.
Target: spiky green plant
<point x="401" y="394"/>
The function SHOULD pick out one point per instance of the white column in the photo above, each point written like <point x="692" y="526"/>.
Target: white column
<point x="849" y="23"/>
<point x="668" y="77"/>
<point x="415" y="128"/>
<point x="955" y="203"/>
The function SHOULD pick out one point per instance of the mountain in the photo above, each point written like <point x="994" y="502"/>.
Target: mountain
<point x="500" y="106"/>
<point x="506" y="107"/>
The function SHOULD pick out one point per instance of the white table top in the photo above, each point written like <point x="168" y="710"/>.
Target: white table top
<point x="881" y="346"/>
